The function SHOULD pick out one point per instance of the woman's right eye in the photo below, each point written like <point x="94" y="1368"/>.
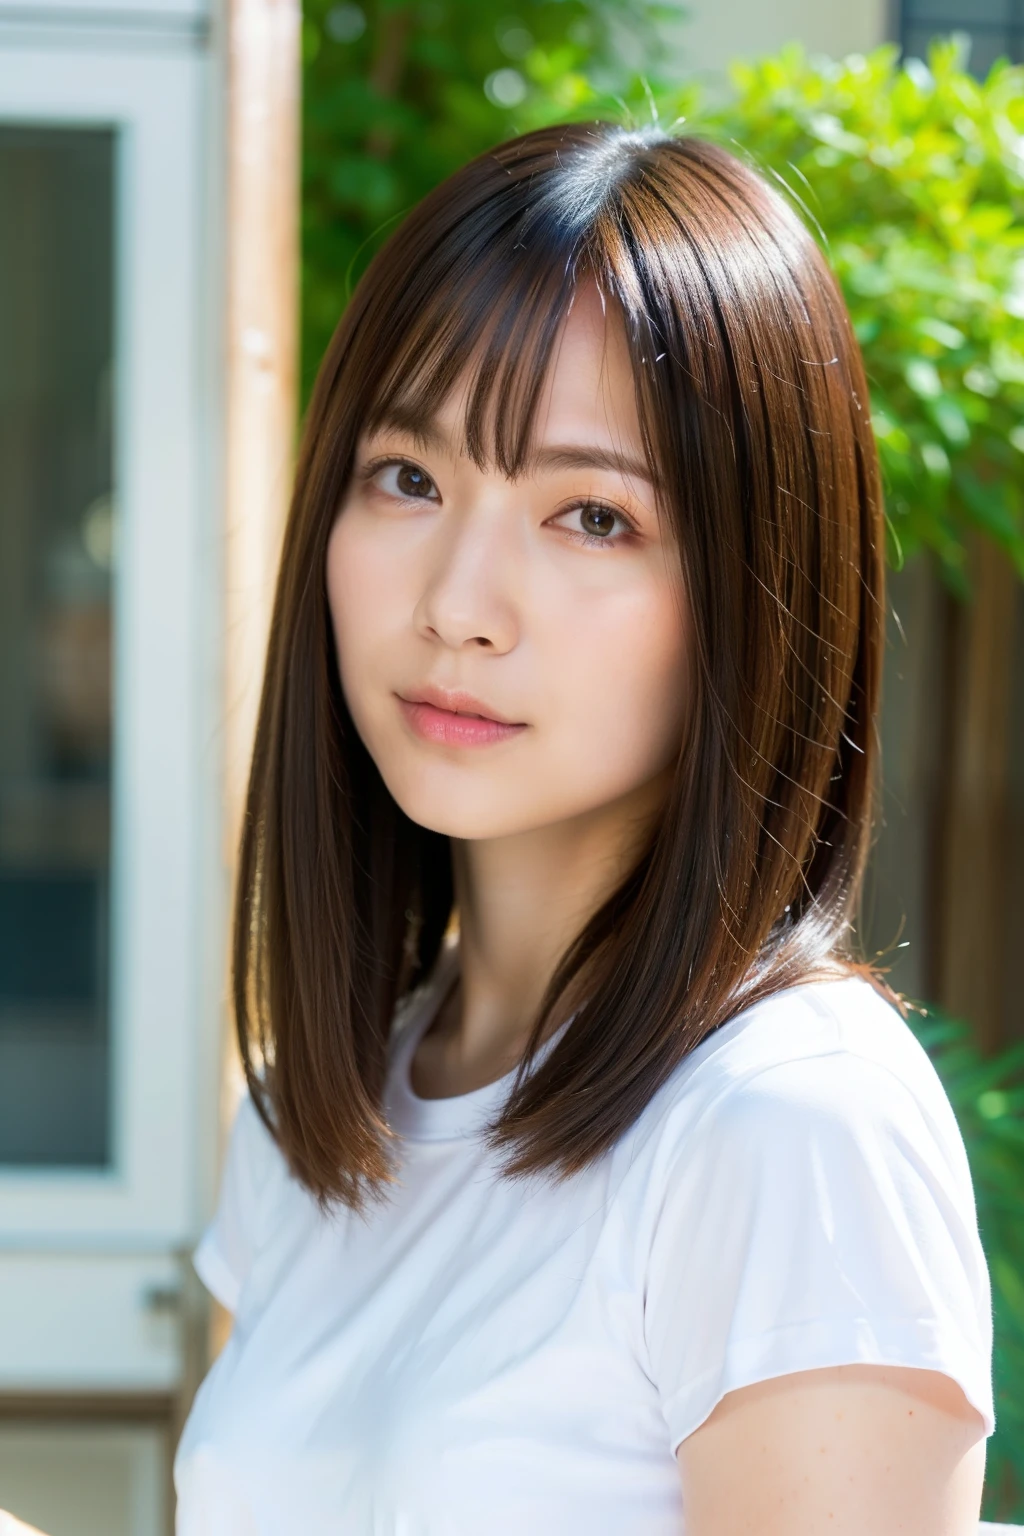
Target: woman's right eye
<point x="399" y="477"/>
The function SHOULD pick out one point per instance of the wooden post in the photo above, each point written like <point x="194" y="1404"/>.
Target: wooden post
<point x="264" y="81"/>
<point x="264" y="92"/>
<point x="969" y="917"/>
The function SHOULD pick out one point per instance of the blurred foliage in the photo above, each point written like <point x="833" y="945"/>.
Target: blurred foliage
<point x="914" y="177"/>
<point x="987" y="1094"/>
<point x="398" y="93"/>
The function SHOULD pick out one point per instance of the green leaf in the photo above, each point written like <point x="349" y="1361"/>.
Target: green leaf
<point x="951" y="421"/>
<point x="923" y="378"/>
<point x="992" y="1104"/>
<point x="946" y="335"/>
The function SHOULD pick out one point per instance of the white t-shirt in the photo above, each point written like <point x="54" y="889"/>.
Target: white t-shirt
<point x="486" y="1355"/>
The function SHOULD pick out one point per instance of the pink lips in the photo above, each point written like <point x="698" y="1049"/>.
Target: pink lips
<point x="455" y="719"/>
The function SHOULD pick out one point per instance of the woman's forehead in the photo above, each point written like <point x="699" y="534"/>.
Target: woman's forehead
<point x="584" y="407"/>
<point x="589" y="383"/>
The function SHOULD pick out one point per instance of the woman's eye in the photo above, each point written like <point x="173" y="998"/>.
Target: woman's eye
<point x="403" y="479"/>
<point x="598" y="521"/>
<point x="595" y="523"/>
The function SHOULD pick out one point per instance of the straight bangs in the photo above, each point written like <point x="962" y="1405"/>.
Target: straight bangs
<point x="489" y="326"/>
<point x="753" y="409"/>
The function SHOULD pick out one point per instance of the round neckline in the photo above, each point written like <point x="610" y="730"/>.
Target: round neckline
<point x="460" y="1115"/>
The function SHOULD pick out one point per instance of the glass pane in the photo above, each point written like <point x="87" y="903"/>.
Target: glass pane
<point x="56" y="549"/>
<point x="956" y="15"/>
<point x="986" y="47"/>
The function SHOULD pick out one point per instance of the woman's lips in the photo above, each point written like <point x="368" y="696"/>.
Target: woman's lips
<point x="455" y="727"/>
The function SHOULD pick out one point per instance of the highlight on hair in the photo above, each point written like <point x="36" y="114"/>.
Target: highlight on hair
<point x="754" y="412"/>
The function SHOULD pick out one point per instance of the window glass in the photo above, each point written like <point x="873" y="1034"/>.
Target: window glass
<point x="959" y="15"/>
<point x="57" y="549"/>
<point x="995" y="28"/>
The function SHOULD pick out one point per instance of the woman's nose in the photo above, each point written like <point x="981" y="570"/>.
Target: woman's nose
<point x="468" y="597"/>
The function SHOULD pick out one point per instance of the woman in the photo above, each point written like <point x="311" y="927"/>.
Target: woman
<point x="586" y="1183"/>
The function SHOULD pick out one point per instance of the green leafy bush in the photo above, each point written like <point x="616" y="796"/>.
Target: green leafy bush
<point x="987" y="1094"/>
<point x="914" y="177"/>
<point x="398" y="93"/>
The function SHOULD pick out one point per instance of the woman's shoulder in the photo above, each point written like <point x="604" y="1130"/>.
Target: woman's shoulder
<point x="833" y="1055"/>
<point x="254" y="1168"/>
<point x="804" y="1199"/>
<point x="250" y="1134"/>
<point x="254" y="1165"/>
<point x="845" y="1019"/>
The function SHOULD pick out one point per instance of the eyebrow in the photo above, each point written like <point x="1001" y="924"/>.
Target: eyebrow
<point x="549" y="456"/>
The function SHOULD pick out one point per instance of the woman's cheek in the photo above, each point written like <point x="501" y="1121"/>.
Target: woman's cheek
<point x="355" y="592"/>
<point x="670" y="675"/>
<point x="628" y="681"/>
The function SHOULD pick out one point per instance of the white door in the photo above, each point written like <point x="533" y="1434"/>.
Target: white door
<point x="111" y="908"/>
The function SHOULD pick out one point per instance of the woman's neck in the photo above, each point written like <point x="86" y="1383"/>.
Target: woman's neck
<point x="521" y="901"/>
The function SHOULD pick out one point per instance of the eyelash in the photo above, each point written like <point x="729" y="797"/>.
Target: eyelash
<point x="589" y="540"/>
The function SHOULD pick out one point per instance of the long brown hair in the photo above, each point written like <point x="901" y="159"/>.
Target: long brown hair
<point x="754" y="411"/>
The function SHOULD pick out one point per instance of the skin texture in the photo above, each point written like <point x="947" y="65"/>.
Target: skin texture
<point x="461" y="579"/>
<point x="853" y="1451"/>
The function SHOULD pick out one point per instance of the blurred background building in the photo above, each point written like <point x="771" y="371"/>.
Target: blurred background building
<point x="149" y="191"/>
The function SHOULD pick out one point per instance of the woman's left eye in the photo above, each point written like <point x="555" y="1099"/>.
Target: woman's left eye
<point x="399" y="477"/>
<point x="595" y="524"/>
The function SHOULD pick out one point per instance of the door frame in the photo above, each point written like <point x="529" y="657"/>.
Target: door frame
<point x="167" y="878"/>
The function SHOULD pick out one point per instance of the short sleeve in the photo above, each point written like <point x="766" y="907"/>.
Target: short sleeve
<point x="820" y="1213"/>
<point x="226" y="1250"/>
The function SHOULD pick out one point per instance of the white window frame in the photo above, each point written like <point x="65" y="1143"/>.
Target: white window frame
<point x="167" y="875"/>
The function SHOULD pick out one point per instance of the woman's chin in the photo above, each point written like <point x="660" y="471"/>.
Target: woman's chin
<point x="473" y="811"/>
<point x="453" y="817"/>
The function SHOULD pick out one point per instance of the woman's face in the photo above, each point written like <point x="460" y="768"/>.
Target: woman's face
<point x="513" y="653"/>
